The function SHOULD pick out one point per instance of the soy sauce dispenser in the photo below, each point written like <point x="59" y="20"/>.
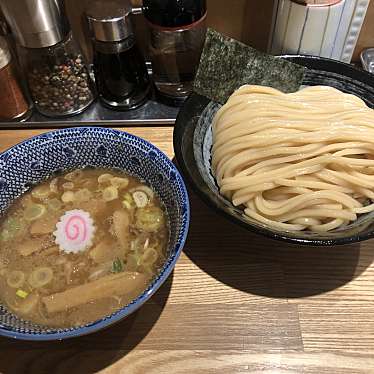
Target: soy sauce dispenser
<point x="120" y="71"/>
<point x="57" y="76"/>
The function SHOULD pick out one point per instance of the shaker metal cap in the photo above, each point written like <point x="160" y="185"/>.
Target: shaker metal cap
<point x="36" y="23"/>
<point x="109" y="21"/>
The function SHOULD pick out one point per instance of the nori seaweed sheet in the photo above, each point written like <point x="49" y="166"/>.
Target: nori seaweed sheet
<point x="227" y="64"/>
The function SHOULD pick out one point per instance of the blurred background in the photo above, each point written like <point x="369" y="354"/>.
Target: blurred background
<point x="252" y="22"/>
<point x="246" y="20"/>
<point x="336" y="29"/>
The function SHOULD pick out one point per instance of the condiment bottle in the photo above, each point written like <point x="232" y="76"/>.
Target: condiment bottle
<point x="13" y="104"/>
<point x="56" y="74"/>
<point x="177" y="33"/>
<point x="120" y="71"/>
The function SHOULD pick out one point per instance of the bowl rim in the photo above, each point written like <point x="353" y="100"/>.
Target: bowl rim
<point x="193" y="108"/>
<point x="124" y="312"/>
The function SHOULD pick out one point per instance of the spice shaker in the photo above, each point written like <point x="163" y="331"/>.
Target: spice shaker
<point x="120" y="72"/>
<point x="57" y="76"/>
<point x="177" y="31"/>
<point x="13" y="103"/>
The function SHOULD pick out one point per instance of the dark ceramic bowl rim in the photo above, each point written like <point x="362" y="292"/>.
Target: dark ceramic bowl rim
<point x="147" y="294"/>
<point x="195" y="105"/>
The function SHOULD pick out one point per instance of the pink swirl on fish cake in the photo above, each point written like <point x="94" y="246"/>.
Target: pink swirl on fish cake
<point x="75" y="231"/>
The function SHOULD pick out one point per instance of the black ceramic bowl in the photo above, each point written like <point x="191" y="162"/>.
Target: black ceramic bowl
<point x="193" y="141"/>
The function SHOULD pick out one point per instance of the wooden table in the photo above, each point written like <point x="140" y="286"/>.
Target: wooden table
<point x="236" y="303"/>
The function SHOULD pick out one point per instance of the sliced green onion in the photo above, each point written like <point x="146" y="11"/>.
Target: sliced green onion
<point x="128" y="201"/>
<point x="117" y="266"/>
<point x="5" y="235"/>
<point x="126" y="204"/>
<point x="21" y="293"/>
<point x="110" y="193"/>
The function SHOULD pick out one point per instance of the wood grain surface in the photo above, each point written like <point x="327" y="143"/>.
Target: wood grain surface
<point x="236" y="303"/>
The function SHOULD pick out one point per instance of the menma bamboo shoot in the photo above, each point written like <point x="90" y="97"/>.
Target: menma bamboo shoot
<point x="115" y="284"/>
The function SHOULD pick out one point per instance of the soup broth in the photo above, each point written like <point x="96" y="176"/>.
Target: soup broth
<point x="79" y="246"/>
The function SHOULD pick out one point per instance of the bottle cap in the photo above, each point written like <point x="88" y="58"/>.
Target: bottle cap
<point x="36" y="23"/>
<point x="174" y="13"/>
<point x="109" y="21"/>
<point x="5" y="55"/>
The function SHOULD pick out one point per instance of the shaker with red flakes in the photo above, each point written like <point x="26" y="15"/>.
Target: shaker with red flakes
<point x="13" y="103"/>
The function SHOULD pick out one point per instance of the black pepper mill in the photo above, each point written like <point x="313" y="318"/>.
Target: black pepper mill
<point x="56" y="73"/>
<point x="120" y="71"/>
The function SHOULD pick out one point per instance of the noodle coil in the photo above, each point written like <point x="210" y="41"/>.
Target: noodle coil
<point x="297" y="161"/>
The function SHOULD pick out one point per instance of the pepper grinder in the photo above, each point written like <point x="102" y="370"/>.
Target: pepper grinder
<point x="57" y="76"/>
<point x="120" y="71"/>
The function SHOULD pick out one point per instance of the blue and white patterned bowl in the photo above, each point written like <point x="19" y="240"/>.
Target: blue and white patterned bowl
<point x="37" y="158"/>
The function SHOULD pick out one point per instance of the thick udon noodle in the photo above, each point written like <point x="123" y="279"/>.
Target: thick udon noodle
<point x="303" y="160"/>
